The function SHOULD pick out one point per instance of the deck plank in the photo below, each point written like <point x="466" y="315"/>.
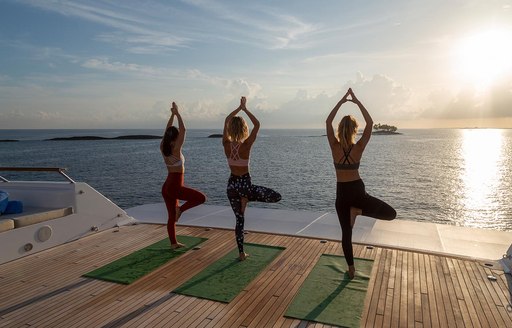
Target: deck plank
<point x="411" y="291"/>
<point x="418" y="314"/>
<point x="374" y="288"/>
<point x="406" y="288"/>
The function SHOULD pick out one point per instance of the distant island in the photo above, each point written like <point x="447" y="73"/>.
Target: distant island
<point x="128" y="137"/>
<point x="384" y="129"/>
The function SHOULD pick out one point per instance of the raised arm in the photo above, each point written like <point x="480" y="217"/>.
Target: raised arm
<point x="181" y="126"/>
<point x="328" y="122"/>
<point x="169" y="122"/>
<point x="228" y="119"/>
<point x="256" y="125"/>
<point x="367" y="133"/>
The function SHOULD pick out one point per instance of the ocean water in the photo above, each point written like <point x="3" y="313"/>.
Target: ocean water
<point x="451" y="176"/>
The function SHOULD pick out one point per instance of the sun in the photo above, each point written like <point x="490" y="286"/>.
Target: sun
<point x="483" y="57"/>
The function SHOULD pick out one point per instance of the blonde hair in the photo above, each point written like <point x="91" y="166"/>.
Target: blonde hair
<point x="347" y="130"/>
<point x="238" y="130"/>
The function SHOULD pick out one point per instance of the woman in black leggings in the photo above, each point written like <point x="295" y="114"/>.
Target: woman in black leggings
<point x="237" y="144"/>
<point x="351" y="197"/>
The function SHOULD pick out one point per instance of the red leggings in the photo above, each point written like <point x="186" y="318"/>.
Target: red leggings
<point x="174" y="190"/>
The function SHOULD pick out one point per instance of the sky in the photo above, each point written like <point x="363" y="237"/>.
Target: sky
<point x="119" y="64"/>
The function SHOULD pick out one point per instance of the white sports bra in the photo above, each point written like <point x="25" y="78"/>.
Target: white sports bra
<point x="234" y="158"/>
<point x="174" y="161"/>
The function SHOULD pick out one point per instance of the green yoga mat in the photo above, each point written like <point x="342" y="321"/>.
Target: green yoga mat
<point x="131" y="267"/>
<point x="329" y="296"/>
<point x="224" y="279"/>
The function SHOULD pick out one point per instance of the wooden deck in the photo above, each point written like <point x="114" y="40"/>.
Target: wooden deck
<point x="406" y="289"/>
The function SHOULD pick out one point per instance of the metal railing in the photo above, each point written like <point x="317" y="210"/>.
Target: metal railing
<point x="59" y="170"/>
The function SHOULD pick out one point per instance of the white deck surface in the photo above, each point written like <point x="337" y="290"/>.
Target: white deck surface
<point x="437" y="238"/>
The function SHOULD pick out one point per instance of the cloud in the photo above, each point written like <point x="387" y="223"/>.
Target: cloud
<point x="63" y="102"/>
<point x="292" y="33"/>
<point x="263" y="27"/>
<point x="46" y="116"/>
<point x="384" y="97"/>
<point x="145" y="43"/>
<point x="19" y="118"/>
<point x="135" y="27"/>
<point x="470" y="102"/>
<point x="36" y="52"/>
<point x="386" y="100"/>
<point x="232" y="88"/>
<point x="303" y="111"/>
<point x="113" y="17"/>
<point x="350" y="55"/>
<point x="500" y="100"/>
<point x="106" y="65"/>
<point x="242" y="87"/>
<point x="156" y="28"/>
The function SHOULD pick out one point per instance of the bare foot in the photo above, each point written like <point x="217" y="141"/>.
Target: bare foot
<point x="178" y="213"/>
<point x="177" y="245"/>
<point x="351" y="271"/>
<point x="243" y="256"/>
<point x="244" y="202"/>
<point x="354" y="212"/>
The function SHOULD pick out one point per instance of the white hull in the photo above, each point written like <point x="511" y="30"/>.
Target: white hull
<point x="91" y="212"/>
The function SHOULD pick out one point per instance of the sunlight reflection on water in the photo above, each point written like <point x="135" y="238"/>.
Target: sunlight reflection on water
<point x="483" y="158"/>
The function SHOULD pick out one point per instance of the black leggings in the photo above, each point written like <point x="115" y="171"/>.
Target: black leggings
<point x="353" y="194"/>
<point x="241" y="186"/>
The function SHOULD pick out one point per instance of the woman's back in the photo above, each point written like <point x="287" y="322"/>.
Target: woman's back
<point x="237" y="155"/>
<point x="346" y="161"/>
<point x="175" y="161"/>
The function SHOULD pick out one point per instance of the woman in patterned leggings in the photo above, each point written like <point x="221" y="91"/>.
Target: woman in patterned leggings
<point x="237" y="144"/>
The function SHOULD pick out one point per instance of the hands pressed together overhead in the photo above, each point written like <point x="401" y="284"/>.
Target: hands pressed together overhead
<point x="352" y="96"/>
<point x="174" y="108"/>
<point x="243" y="102"/>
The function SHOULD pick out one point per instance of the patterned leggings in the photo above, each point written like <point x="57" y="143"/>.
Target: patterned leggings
<point x="174" y="190"/>
<point x="241" y="186"/>
<point x="353" y="194"/>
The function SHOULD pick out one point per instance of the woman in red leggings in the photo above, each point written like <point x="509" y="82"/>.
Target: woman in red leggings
<point x="173" y="189"/>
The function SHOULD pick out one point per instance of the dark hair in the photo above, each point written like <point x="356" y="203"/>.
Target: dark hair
<point x="169" y="137"/>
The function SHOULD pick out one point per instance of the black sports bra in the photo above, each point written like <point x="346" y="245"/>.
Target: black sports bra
<point x="346" y="165"/>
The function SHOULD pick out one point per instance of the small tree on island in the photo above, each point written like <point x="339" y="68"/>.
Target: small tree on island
<point x="384" y="127"/>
